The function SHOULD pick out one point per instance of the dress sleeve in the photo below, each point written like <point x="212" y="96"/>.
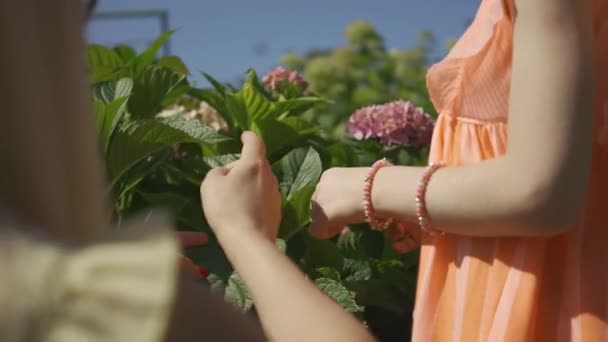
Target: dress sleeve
<point x="120" y="288"/>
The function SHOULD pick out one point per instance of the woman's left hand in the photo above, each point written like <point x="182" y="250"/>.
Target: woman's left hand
<point x="192" y="239"/>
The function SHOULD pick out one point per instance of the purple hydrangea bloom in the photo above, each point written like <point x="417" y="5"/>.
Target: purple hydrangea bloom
<point x="276" y="76"/>
<point x="393" y="123"/>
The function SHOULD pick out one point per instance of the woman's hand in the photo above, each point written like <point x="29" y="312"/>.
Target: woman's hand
<point x="244" y="194"/>
<point x="337" y="201"/>
<point x="404" y="237"/>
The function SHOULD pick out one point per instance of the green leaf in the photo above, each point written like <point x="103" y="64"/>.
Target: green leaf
<point x="279" y="135"/>
<point x="138" y="139"/>
<point x="296" y="213"/>
<point x="395" y="272"/>
<point x="167" y="200"/>
<point x="216" y="100"/>
<point x="174" y="130"/>
<point x="281" y="245"/>
<point x="221" y="160"/>
<point x="125" y="52"/>
<point x="142" y="169"/>
<point x="299" y="104"/>
<point x="256" y="102"/>
<point x="150" y="89"/>
<point x="113" y="113"/>
<point x="112" y="90"/>
<point x="299" y="168"/>
<point x="356" y="270"/>
<point x="379" y="293"/>
<point x="107" y="117"/>
<point x="237" y="293"/>
<point x="146" y="58"/>
<point x="322" y="253"/>
<point x="175" y="94"/>
<point x="236" y="110"/>
<point x="328" y="272"/>
<point x="174" y="63"/>
<point x="339" y="293"/>
<point x="103" y="63"/>
<point x="215" y="83"/>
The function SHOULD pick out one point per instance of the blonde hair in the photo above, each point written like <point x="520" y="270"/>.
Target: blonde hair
<point x="50" y="170"/>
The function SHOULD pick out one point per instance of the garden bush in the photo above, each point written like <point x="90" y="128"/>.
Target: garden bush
<point x="160" y="134"/>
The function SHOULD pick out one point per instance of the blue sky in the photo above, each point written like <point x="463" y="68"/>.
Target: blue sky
<point x="220" y="37"/>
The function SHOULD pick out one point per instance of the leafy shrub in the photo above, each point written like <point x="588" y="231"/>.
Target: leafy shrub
<point x="160" y="135"/>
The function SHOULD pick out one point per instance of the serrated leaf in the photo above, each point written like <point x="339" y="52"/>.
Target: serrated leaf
<point x="215" y="83"/>
<point x="174" y="63"/>
<point x="182" y="131"/>
<point x="143" y="60"/>
<point x="221" y="160"/>
<point x="379" y="293"/>
<point x="103" y="63"/>
<point x="138" y="139"/>
<point x="299" y="168"/>
<point x="125" y="52"/>
<point x="279" y="135"/>
<point x="339" y="293"/>
<point x="107" y="117"/>
<point x="236" y="110"/>
<point x="292" y="105"/>
<point x="150" y="89"/>
<point x="356" y="270"/>
<point x="296" y="213"/>
<point x="216" y="100"/>
<point x="236" y="293"/>
<point x="328" y="272"/>
<point x="322" y="253"/>
<point x="257" y="104"/>
<point x="111" y="90"/>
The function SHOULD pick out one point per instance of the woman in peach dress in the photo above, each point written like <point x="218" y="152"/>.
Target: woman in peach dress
<point x="524" y="255"/>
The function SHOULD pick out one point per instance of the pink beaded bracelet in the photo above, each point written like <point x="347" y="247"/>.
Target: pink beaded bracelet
<point x="368" y="208"/>
<point x="421" y="212"/>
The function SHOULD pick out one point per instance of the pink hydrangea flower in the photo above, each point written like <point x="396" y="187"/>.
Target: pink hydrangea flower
<point x="393" y="123"/>
<point x="274" y="78"/>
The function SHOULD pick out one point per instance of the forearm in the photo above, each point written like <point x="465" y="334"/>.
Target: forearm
<point x="539" y="186"/>
<point x="290" y="307"/>
<point x="463" y="200"/>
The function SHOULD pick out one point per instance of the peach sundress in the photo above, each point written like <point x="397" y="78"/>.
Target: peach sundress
<point x="510" y="289"/>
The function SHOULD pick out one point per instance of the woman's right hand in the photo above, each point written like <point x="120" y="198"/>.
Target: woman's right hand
<point x="243" y="194"/>
<point x="404" y="237"/>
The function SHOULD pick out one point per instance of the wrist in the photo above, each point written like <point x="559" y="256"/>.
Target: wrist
<point x="393" y="193"/>
<point x="238" y="232"/>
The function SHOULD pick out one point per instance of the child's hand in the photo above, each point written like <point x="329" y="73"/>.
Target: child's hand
<point x="337" y="201"/>
<point x="244" y="194"/>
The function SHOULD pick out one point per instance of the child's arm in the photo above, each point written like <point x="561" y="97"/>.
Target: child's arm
<point x="242" y="204"/>
<point x="539" y="186"/>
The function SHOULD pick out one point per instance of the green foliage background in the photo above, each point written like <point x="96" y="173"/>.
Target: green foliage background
<point x="159" y="162"/>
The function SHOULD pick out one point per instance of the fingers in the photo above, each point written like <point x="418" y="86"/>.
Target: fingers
<point x="405" y="245"/>
<point x="253" y="147"/>
<point x="403" y="238"/>
<point x="192" y="239"/>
